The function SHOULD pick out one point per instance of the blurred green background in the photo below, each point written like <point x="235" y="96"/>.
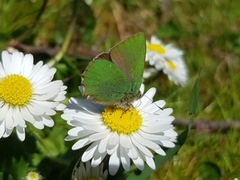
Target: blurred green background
<point x="73" y="32"/>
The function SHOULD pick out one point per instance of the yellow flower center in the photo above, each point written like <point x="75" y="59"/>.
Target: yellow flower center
<point x="156" y="47"/>
<point x="15" y="90"/>
<point x="171" y="65"/>
<point x="120" y="120"/>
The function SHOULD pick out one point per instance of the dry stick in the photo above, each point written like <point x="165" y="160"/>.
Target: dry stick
<point x="50" y="51"/>
<point x="209" y="126"/>
<point x="34" y="49"/>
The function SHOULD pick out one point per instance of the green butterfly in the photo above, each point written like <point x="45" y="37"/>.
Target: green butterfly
<point x="114" y="78"/>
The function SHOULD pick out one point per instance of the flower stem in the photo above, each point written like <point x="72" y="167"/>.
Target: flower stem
<point x="64" y="47"/>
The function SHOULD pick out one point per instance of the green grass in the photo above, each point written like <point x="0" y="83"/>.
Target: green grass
<point x="207" y="32"/>
<point x="204" y="155"/>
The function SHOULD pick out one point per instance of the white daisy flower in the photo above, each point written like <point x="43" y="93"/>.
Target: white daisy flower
<point x="87" y="172"/>
<point x="168" y="59"/>
<point x="122" y="134"/>
<point x="27" y="94"/>
<point x="33" y="176"/>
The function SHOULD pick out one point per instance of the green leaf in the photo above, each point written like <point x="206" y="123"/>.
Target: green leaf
<point x="194" y="97"/>
<point x="19" y="168"/>
<point x="15" y="155"/>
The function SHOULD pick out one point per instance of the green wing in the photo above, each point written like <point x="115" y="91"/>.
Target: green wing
<point x="104" y="82"/>
<point x="129" y="56"/>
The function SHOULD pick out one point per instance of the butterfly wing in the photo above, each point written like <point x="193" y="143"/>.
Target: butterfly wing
<point x="129" y="56"/>
<point x="104" y="82"/>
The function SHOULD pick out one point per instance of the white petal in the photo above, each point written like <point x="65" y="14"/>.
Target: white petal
<point x="39" y="108"/>
<point x="6" y="59"/>
<point x="142" y="148"/>
<point x="98" y="136"/>
<point x="170" y="133"/>
<point x="150" y="144"/>
<point x="70" y="138"/>
<point x="4" y="111"/>
<point x="160" y="151"/>
<point x="102" y="147"/>
<point x="80" y="143"/>
<point x="79" y="131"/>
<point x="164" y="113"/>
<point x="88" y="154"/>
<point x="88" y="121"/>
<point x="38" y="125"/>
<point x="114" y="163"/>
<point x="167" y="143"/>
<point x="54" y="85"/>
<point x="42" y="81"/>
<point x="83" y="104"/>
<point x="124" y="159"/>
<point x="2" y="71"/>
<point x="139" y="163"/>
<point x="9" y="120"/>
<point x="17" y="117"/>
<point x="38" y="74"/>
<point x="97" y="158"/>
<point x="154" y="107"/>
<point x="60" y="96"/>
<point x="155" y="121"/>
<point x="6" y="62"/>
<point x="96" y="128"/>
<point x="7" y="132"/>
<point x="125" y="141"/>
<point x="16" y="63"/>
<point x="28" y="65"/>
<point x="35" y="69"/>
<point x="33" y="110"/>
<point x="150" y="162"/>
<point x="47" y="121"/>
<point x="20" y="132"/>
<point x="133" y="153"/>
<point x="156" y="129"/>
<point x="2" y="128"/>
<point x="60" y="107"/>
<point x="114" y="139"/>
<point x="27" y="115"/>
<point x="153" y="137"/>
<point x="112" y="148"/>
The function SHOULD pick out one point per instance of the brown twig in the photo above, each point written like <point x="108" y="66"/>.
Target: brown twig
<point x="33" y="49"/>
<point x="51" y="51"/>
<point x="209" y="126"/>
